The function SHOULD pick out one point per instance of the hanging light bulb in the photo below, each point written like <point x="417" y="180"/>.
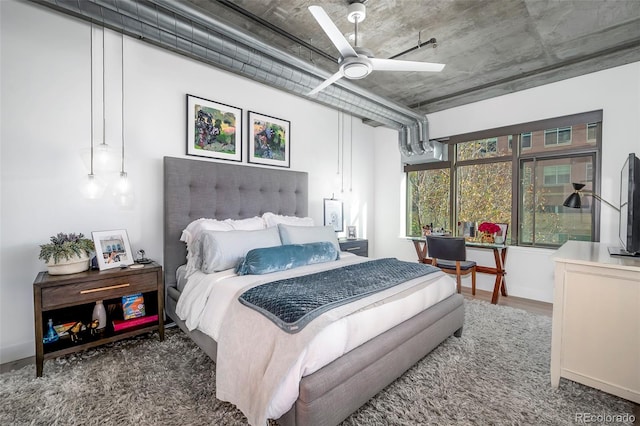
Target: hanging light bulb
<point x="93" y="187"/>
<point x="104" y="157"/>
<point x="123" y="190"/>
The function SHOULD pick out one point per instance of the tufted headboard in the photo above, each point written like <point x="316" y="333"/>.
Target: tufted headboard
<point x="197" y="188"/>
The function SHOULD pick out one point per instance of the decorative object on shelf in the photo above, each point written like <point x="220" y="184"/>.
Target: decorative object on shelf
<point x="467" y="229"/>
<point x="75" y="330"/>
<point x="213" y="129"/>
<point x="100" y="314"/>
<point x="488" y="232"/>
<point x="351" y="233"/>
<point x="141" y="258"/>
<point x="333" y="213"/>
<point x="112" y="249"/>
<point x="67" y="253"/>
<point x="269" y="140"/>
<point x="51" y="335"/>
<point x="501" y="235"/>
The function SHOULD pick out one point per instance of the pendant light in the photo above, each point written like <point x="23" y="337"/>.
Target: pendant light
<point x="124" y="193"/>
<point x="103" y="152"/>
<point x="93" y="187"/>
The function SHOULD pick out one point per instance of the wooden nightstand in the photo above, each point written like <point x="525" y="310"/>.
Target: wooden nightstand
<point x="71" y="298"/>
<point x="358" y="246"/>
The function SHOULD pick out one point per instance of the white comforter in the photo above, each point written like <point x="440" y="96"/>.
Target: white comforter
<point x="259" y="366"/>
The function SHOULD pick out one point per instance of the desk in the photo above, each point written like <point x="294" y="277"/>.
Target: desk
<point x="499" y="255"/>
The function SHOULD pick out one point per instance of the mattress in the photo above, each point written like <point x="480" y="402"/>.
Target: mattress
<point x="209" y="303"/>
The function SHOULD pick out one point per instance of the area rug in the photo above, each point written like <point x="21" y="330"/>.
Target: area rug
<point x="496" y="373"/>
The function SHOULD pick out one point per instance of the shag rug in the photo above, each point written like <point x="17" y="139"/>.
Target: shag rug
<point x="496" y="373"/>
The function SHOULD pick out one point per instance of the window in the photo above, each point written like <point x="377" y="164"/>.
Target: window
<point x="428" y="194"/>
<point x="557" y="174"/>
<point x="544" y="221"/>
<point x="592" y="134"/>
<point x="525" y="140"/>
<point x="484" y="192"/>
<point x="561" y="136"/>
<point x="486" y="180"/>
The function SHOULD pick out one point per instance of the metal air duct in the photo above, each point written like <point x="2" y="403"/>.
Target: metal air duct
<point x="180" y="27"/>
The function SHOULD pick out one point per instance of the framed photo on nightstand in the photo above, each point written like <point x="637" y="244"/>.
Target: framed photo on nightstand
<point x="112" y="249"/>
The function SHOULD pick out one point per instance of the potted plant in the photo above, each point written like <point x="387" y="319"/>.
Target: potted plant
<point x="67" y="253"/>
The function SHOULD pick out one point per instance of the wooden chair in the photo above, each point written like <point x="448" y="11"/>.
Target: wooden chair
<point x="450" y="255"/>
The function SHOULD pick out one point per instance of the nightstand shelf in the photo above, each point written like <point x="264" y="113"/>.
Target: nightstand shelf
<point x="71" y="298"/>
<point x="358" y="246"/>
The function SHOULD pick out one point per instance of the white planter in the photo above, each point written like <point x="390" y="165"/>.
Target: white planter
<point x="73" y="265"/>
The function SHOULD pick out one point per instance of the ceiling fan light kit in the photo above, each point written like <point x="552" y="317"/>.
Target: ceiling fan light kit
<point x="357" y="12"/>
<point x="356" y="62"/>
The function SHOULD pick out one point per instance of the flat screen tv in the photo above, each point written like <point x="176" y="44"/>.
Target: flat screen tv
<point x="629" y="228"/>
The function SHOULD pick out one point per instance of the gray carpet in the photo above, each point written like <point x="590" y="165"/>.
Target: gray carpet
<point x="497" y="373"/>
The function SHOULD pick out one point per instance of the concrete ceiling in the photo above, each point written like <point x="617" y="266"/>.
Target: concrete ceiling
<point x="490" y="47"/>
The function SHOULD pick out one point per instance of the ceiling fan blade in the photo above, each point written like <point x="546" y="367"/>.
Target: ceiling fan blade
<point x="396" y="65"/>
<point x="332" y="32"/>
<point x="337" y="76"/>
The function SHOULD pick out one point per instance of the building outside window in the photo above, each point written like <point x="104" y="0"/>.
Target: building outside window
<point x="487" y="180"/>
<point x="560" y="136"/>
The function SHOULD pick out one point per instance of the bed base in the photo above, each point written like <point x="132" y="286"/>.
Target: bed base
<point x="334" y="392"/>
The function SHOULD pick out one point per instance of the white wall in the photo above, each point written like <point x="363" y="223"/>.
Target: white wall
<point x="529" y="271"/>
<point x="45" y="126"/>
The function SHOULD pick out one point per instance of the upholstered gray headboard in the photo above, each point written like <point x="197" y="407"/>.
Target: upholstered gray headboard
<point x="198" y="188"/>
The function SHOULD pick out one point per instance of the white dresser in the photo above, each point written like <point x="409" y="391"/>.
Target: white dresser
<point x="596" y="319"/>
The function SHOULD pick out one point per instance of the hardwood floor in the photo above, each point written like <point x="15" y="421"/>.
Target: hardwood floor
<point x="533" y="306"/>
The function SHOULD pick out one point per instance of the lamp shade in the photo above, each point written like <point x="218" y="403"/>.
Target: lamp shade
<point x="573" y="200"/>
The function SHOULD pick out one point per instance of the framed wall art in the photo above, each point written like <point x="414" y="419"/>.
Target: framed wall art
<point x="213" y="129"/>
<point x="269" y="140"/>
<point x="333" y="213"/>
<point x="112" y="249"/>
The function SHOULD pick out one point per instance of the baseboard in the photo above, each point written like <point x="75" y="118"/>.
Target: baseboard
<point x="17" y="364"/>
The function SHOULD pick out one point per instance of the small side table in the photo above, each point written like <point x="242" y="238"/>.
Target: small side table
<point x="357" y="246"/>
<point x="71" y="298"/>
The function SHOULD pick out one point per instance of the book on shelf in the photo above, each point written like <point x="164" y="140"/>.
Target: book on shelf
<point x="133" y="306"/>
<point x="119" y="325"/>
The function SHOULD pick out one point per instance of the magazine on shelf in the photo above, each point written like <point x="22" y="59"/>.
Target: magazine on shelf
<point x="119" y="325"/>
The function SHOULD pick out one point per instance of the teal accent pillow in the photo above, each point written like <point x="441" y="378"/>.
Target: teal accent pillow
<point x="273" y="259"/>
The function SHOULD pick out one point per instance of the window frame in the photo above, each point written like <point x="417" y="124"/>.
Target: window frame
<point x="517" y="155"/>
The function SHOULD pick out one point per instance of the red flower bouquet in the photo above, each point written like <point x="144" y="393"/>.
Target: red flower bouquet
<point x="488" y="227"/>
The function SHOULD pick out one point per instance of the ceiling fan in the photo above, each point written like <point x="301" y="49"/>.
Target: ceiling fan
<point x="357" y="62"/>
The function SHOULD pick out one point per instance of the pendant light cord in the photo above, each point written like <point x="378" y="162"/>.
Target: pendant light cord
<point x="91" y="92"/>
<point x="351" y="157"/>
<point x="104" y="111"/>
<point x="122" y="100"/>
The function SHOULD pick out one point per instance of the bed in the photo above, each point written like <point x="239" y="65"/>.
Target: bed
<point x="195" y="189"/>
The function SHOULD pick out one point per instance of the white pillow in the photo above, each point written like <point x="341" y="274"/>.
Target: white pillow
<point x="191" y="235"/>
<point x="192" y="231"/>
<point x="250" y="224"/>
<point x="272" y="219"/>
<point x="290" y="234"/>
<point x="226" y="249"/>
